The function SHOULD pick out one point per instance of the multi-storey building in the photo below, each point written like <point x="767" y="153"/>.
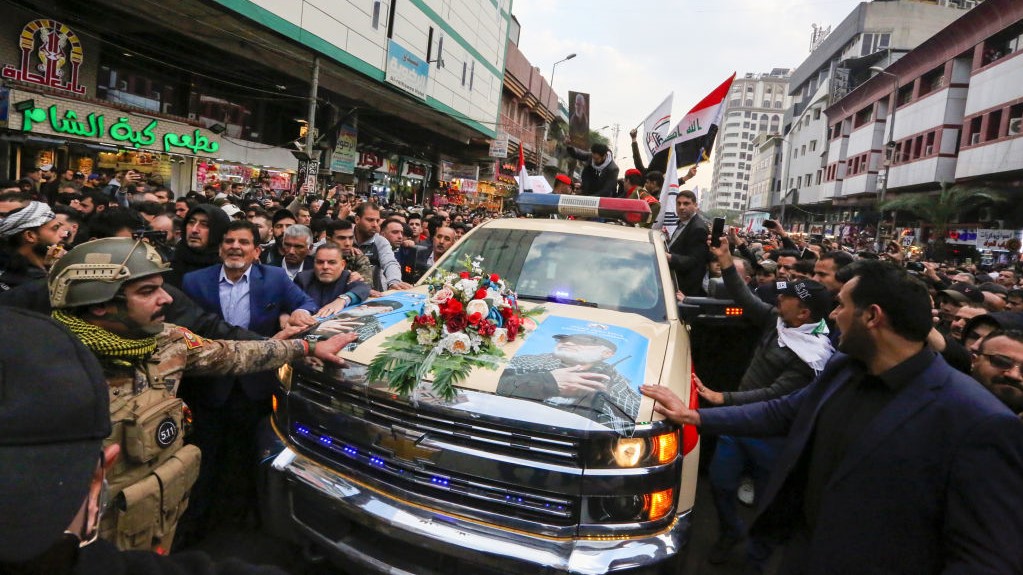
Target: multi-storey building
<point x="756" y="105"/>
<point x="873" y="34"/>
<point x="950" y="111"/>
<point x="764" y="179"/>
<point x="404" y="89"/>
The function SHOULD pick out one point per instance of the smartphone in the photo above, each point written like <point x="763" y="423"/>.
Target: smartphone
<point x="716" y="231"/>
<point x="770" y="224"/>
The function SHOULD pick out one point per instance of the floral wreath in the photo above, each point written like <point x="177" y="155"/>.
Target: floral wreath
<point x="467" y="319"/>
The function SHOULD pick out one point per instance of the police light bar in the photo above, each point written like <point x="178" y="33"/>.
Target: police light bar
<point x="631" y="211"/>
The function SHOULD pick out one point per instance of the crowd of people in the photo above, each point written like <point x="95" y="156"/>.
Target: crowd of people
<point x="192" y="300"/>
<point x="879" y="417"/>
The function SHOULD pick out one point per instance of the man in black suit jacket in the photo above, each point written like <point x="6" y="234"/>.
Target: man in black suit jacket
<point x="687" y="248"/>
<point x="894" y="462"/>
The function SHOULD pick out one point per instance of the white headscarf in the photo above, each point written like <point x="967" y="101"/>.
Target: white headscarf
<point x="809" y="341"/>
<point x="31" y="216"/>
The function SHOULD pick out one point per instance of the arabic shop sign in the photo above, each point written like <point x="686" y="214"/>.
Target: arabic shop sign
<point x="51" y="56"/>
<point x="345" y="155"/>
<point x="133" y="131"/>
<point x="406" y="70"/>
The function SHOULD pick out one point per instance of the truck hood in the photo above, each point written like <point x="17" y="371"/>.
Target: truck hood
<point x="576" y="365"/>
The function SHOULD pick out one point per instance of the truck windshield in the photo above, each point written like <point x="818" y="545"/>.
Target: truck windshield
<point x="549" y="266"/>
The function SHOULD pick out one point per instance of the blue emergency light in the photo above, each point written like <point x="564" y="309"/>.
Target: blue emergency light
<point x="541" y="205"/>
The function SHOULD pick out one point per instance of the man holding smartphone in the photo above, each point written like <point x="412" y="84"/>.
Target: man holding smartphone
<point x="687" y="248"/>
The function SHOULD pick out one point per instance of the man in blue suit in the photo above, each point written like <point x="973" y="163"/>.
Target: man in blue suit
<point x="894" y="461"/>
<point x="228" y="411"/>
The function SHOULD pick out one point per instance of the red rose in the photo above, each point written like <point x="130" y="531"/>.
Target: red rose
<point x="495" y="278"/>
<point x="464" y="275"/>
<point x="475" y="318"/>
<point x="456" y="323"/>
<point x="480" y="294"/>
<point x="451" y="307"/>
<point x="507" y="312"/>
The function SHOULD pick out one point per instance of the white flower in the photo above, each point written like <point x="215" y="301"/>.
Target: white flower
<point x="477" y="306"/>
<point x="500" y="337"/>
<point x="467" y="286"/>
<point x="431" y="309"/>
<point x="424" y="336"/>
<point x="457" y="343"/>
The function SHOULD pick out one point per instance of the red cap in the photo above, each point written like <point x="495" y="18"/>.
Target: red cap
<point x="563" y="179"/>
<point x="633" y="172"/>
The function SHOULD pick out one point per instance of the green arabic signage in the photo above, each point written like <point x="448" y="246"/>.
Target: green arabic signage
<point x="94" y="126"/>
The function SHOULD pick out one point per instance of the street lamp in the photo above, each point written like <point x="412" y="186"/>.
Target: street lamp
<point x="889" y="152"/>
<point x="547" y="125"/>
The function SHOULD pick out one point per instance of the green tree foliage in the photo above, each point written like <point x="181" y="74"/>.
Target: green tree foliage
<point x="941" y="208"/>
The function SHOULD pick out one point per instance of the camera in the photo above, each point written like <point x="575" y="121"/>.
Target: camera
<point x="915" y="266"/>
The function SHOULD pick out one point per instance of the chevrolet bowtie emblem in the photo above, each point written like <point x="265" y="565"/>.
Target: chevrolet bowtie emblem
<point x="405" y="444"/>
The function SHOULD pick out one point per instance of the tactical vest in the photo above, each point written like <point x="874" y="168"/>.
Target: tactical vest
<point x="151" y="480"/>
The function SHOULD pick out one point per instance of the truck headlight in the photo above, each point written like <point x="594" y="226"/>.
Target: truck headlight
<point x="629" y="452"/>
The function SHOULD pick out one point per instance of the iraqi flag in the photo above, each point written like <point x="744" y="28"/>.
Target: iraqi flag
<point x="693" y="137"/>
<point x="524" y="184"/>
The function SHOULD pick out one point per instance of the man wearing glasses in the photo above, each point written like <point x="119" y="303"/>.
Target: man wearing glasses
<point x="998" y="366"/>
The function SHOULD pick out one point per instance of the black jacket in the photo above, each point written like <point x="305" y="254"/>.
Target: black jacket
<point x="323" y="293"/>
<point x="187" y="259"/>
<point x="688" y="255"/>
<point x="603" y="183"/>
<point x="774" y="371"/>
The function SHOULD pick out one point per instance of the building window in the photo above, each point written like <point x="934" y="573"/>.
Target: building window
<point x="813" y="145"/>
<point x="994" y="125"/>
<point x="932" y="81"/>
<point x="874" y="42"/>
<point x="863" y="116"/>
<point x="816" y="114"/>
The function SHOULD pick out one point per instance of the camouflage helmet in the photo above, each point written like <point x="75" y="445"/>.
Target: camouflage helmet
<point x="94" y="272"/>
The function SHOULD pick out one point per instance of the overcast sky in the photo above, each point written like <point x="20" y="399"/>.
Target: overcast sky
<point x="631" y="55"/>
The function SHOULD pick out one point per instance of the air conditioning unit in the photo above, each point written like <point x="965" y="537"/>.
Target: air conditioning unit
<point x="969" y="4"/>
<point x="1015" y="126"/>
<point x="928" y="150"/>
<point x="974" y="139"/>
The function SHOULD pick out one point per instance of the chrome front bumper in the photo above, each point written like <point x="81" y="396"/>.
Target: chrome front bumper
<point x="369" y="525"/>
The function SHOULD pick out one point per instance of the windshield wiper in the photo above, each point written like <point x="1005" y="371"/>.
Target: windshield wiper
<point x="556" y="299"/>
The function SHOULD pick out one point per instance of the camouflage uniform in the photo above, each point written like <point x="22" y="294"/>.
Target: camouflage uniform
<point x="150" y="483"/>
<point x="529" y="377"/>
<point x="359" y="264"/>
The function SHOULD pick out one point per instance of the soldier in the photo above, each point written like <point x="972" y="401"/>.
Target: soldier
<point x="109" y="293"/>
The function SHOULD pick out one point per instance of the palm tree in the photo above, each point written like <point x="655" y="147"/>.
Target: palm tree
<point x="939" y="209"/>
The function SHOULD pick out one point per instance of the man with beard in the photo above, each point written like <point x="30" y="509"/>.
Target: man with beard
<point x="31" y="241"/>
<point x="793" y="349"/>
<point x="600" y="175"/>
<point x="329" y="283"/>
<point x="894" y="462"/>
<point x="575" y="378"/>
<point x="227" y="410"/>
<point x="443" y="239"/>
<point x="377" y="249"/>
<point x="273" y="253"/>
<point x="201" y="233"/>
<point x="998" y="366"/>
<point x="109" y="294"/>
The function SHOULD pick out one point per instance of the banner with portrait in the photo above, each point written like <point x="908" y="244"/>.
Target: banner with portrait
<point x="579" y="119"/>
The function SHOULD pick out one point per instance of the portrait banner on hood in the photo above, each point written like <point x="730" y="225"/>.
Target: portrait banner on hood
<point x="371" y="317"/>
<point x="591" y="369"/>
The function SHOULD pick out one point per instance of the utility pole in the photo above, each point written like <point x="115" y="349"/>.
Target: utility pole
<point x="312" y="165"/>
